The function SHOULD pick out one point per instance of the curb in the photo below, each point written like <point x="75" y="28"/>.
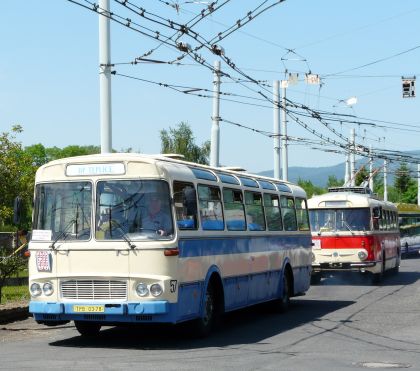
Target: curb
<point x="13" y="314"/>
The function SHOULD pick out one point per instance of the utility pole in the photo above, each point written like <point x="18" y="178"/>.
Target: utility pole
<point x="215" y="129"/>
<point x="370" y="168"/>
<point x="385" y="181"/>
<point x="347" y="171"/>
<point x="352" y="158"/>
<point x="418" y="184"/>
<point x="276" y="126"/>
<point x="284" y="135"/>
<point x="105" y="76"/>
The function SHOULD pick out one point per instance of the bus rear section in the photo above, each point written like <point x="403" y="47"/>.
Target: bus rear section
<point x="353" y="232"/>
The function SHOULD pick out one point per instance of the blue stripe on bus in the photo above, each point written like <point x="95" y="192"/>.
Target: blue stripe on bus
<point x="208" y="246"/>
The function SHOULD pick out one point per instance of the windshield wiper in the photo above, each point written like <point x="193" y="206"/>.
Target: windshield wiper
<point x="120" y="229"/>
<point x="64" y="233"/>
<point x="347" y="226"/>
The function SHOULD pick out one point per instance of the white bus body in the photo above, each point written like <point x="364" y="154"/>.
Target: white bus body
<point x="229" y="243"/>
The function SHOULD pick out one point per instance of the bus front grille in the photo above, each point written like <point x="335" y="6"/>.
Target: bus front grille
<point x="94" y="289"/>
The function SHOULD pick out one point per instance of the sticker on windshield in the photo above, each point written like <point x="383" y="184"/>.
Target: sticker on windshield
<point x="43" y="261"/>
<point x="41" y="234"/>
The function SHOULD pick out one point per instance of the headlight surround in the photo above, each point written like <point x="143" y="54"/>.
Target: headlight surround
<point x="48" y="288"/>
<point x="362" y="255"/>
<point x="35" y="289"/>
<point x="156" y="289"/>
<point x="142" y="290"/>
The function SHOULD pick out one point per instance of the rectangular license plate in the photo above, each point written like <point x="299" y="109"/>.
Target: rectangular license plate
<point x="88" y="308"/>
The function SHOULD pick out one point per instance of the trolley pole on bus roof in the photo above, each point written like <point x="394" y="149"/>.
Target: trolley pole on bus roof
<point x="215" y="128"/>
<point x="276" y="124"/>
<point x="105" y="76"/>
<point x="284" y="134"/>
<point x="385" y="181"/>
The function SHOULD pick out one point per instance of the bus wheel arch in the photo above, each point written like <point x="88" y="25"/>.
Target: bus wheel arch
<point x="286" y="287"/>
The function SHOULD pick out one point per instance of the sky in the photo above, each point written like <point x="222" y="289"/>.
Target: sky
<point x="49" y="75"/>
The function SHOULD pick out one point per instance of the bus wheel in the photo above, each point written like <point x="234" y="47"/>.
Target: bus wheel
<point x="282" y="304"/>
<point x="87" y="329"/>
<point x="204" y="324"/>
<point x="377" y="277"/>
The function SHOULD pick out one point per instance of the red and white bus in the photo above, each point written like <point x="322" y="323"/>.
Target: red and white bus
<point x="355" y="231"/>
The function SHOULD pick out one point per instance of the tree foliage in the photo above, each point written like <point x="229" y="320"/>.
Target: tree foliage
<point x="182" y="141"/>
<point x="334" y="182"/>
<point x="310" y="188"/>
<point x="10" y="264"/>
<point x="17" y="173"/>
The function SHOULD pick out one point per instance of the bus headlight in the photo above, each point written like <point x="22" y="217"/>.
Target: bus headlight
<point x="362" y="255"/>
<point x="142" y="289"/>
<point x="35" y="289"/>
<point x="48" y="288"/>
<point x="156" y="289"/>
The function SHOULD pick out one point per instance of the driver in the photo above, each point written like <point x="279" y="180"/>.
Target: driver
<point x="155" y="218"/>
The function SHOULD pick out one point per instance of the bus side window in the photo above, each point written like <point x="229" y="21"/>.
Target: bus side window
<point x="234" y="209"/>
<point x="272" y="212"/>
<point x="185" y="200"/>
<point x="254" y="211"/>
<point x="302" y="214"/>
<point x="210" y="206"/>
<point x="289" y="213"/>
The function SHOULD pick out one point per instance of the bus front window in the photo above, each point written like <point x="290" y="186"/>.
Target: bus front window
<point x="133" y="210"/>
<point x="64" y="209"/>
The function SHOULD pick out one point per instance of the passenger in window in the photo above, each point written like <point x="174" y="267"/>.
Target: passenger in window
<point x="155" y="218"/>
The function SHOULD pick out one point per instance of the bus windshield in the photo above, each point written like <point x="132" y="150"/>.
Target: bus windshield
<point x="64" y="209"/>
<point x="133" y="209"/>
<point x="332" y="220"/>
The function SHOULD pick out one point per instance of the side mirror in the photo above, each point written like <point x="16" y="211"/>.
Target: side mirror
<point x="17" y="210"/>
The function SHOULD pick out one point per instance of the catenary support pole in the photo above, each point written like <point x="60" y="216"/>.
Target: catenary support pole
<point x="105" y="76"/>
<point x="276" y="128"/>
<point x="418" y="184"/>
<point x="352" y="158"/>
<point x="215" y="129"/>
<point x="284" y="158"/>
<point x="370" y="169"/>
<point x="385" y="180"/>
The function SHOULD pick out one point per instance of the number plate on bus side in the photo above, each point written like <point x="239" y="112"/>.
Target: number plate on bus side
<point x="88" y="308"/>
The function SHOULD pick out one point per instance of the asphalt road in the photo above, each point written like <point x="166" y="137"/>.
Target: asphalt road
<point x="342" y="324"/>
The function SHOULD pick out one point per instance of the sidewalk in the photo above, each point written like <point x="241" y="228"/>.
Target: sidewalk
<point x="14" y="311"/>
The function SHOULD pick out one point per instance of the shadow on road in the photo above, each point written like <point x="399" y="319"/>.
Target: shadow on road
<point x="246" y="326"/>
<point x="364" y="279"/>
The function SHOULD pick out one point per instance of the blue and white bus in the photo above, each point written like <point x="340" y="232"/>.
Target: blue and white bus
<point x="221" y="240"/>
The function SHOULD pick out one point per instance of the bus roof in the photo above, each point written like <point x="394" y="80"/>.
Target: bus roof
<point x="117" y="164"/>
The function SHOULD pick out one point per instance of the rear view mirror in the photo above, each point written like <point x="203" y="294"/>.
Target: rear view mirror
<point x="17" y="210"/>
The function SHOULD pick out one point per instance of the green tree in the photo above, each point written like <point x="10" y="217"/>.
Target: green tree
<point x="361" y="176"/>
<point x="10" y="264"/>
<point x="17" y="174"/>
<point x="402" y="178"/>
<point x="334" y="182"/>
<point x="182" y="141"/>
<point x="310" y="188"/>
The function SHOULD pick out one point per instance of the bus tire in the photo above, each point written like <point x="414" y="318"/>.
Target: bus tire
<point x="202" y="326"/>
<point x="283" y="303"/>
<point x="378" y="277"/>
<point x="87" y="329"/>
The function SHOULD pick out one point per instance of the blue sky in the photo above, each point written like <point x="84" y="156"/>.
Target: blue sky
<point x="49" y="75"/>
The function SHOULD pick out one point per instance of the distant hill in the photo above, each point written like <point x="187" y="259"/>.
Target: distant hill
<point x="319" y="175"/>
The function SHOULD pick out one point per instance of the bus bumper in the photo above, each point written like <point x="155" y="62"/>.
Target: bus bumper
<point x="152" y="311"/>
<point x="347" y="266"/>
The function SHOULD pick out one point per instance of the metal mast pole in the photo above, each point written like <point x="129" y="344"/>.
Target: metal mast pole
<point x="347" y="171"/>
<point x="370" y="169"/>
<point x="105" y="76"/>
<point x="385" y="181"/>
<point x="418" y="184"/>
<point x="276" y="124"/>
<point x="352" y="158"/>
<point x="284" y="137"/>
<point x="215" y="130"/>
